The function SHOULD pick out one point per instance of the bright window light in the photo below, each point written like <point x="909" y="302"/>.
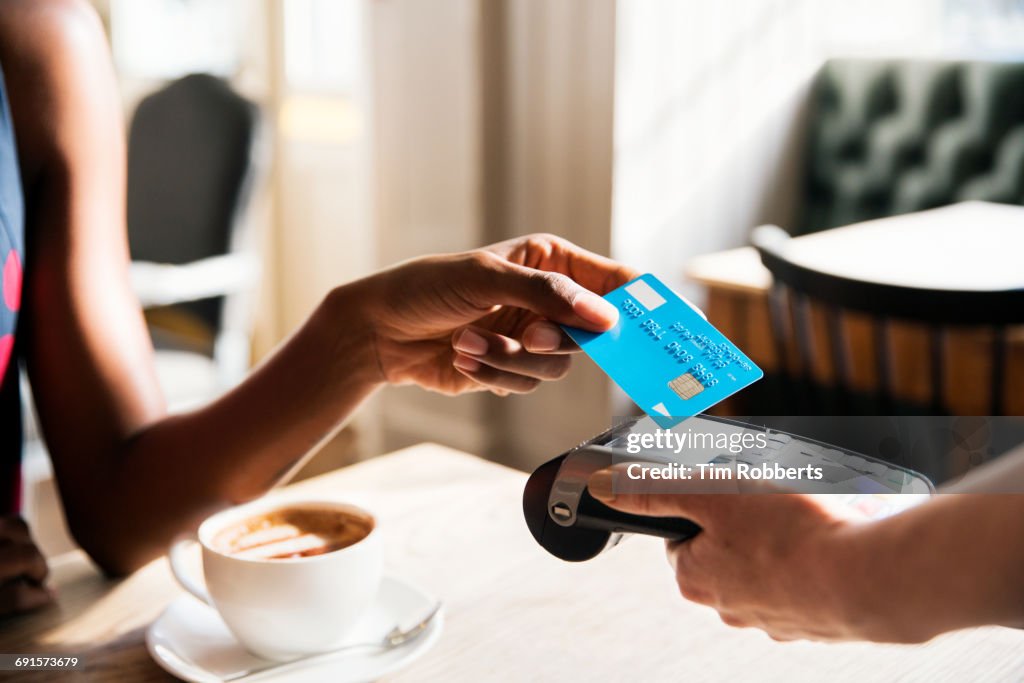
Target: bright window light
<point x="323" y="46"/>
<point x="170" y="38"/>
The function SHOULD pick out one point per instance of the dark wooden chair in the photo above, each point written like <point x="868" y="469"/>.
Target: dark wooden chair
<point x="797" y="289"/>
<point x="193" y="159"/>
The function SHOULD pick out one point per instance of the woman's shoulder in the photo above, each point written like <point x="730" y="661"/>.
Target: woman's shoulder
<point x="53" y="19"/>
<point x="56" y="64"/>
<point x="48" y="33"/>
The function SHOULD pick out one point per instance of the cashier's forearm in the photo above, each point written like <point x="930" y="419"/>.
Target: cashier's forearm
<point x="954" y="562"/>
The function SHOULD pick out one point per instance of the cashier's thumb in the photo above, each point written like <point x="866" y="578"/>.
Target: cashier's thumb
<point x="614" y="487"/>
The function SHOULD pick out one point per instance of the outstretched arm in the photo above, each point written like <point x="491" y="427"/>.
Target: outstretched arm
<point x="130" y="476"/>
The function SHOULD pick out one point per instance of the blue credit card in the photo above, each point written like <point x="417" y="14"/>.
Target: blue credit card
<point x="671" y="361"/>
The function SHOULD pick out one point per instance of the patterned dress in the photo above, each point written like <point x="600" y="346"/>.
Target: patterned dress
<point x="12" y="258"/>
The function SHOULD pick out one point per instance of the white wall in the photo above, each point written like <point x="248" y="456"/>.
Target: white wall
<point x="708" y="111"/>
<point x="550" y="169"/>
<point x="428" y="177"/>
<point x="493" y="119"/>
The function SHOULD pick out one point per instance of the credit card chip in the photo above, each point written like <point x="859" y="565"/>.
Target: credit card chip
<point x="686" y="386"/>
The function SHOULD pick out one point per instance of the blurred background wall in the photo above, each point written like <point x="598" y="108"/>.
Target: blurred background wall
<point x="398" y="128"/>
<point x="711" y="97"/>
<point x="651" y="129"/>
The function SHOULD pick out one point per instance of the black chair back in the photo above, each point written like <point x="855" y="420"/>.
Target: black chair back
<point x="892" y="136"/>
<point x="190" y="160"/>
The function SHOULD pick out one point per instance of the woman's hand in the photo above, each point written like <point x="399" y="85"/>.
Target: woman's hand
<point x="781" y="562"/>
<point x="22" y="569"/>
<point x="484" y="319"/>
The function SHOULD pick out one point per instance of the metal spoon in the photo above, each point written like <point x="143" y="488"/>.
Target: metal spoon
<point x="392" y="639"/>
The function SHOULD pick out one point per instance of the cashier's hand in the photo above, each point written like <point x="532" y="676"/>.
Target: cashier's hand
<point x="485" y="319"/>
<point x="22" y="569"/>
<point x="765" y="560"/>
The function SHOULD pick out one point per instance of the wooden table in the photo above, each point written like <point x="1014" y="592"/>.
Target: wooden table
<point x="969" y="246"/>
<point x="454" y="524"/>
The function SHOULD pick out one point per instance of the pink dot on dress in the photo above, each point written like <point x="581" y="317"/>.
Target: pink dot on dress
<point x="6" y="346"/>
<point x="12" y="282"/>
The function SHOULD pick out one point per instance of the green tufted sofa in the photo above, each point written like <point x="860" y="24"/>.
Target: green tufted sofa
<point x="892" y="136"/>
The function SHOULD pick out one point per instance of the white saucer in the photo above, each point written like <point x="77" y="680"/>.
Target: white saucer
<point x="190" y="641"/>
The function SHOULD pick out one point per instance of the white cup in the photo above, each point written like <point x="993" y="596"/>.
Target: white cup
<point x="283" y="609"/>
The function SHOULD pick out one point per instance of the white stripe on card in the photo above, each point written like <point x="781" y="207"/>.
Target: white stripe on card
<point x="645" y="294"/>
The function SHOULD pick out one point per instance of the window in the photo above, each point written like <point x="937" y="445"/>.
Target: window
<point x="164" y="39"/>
<point x="986" y="28"/>
<point x="323" y="46"/>
<point x="324" y="66"/>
